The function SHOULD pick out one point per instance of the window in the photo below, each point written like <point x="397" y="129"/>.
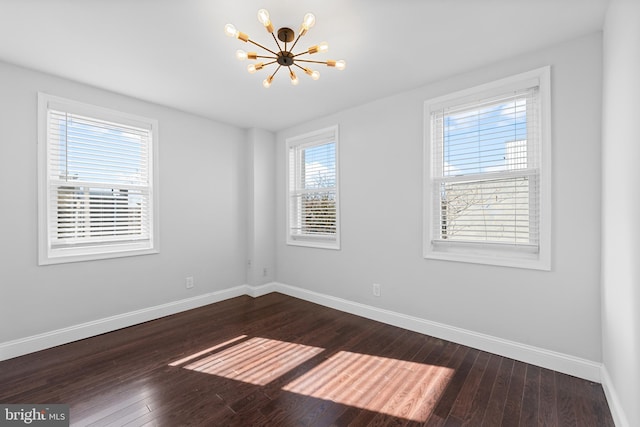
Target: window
<point x="96" y="182"/>
<point x="487" y="173"/>
<point x="312" y="201"/>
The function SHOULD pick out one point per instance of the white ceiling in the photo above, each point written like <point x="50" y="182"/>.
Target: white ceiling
<point x="175" y="53"/>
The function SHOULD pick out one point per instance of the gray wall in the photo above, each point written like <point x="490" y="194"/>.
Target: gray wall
<point x="381" y="213"/>
<point x="621" y="209"/>
<point x="203" y="208"/>
<point x="261" y="210"/>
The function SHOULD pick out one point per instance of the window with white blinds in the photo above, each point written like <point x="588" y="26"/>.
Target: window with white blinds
<point x="313" y="189"/>
<point x="488" y="180"/>
<point x="96" y="186"/>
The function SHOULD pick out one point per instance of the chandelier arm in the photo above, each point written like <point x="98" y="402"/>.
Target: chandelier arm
<point x="301" y="53"/>
<point x="269" y="63"/>
<point x="295" y="42"/>
<point x="313" y="62"/>
<point x="277" y="69"/>
<point x="267" y="57"/>
<point x="277" y="42"/>
<point x="265" y="48"/>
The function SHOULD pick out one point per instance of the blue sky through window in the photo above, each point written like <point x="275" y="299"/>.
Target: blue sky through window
<point x="100" y="152"/>
<point x="487" y="139"/>
<point x="320" y="166"/>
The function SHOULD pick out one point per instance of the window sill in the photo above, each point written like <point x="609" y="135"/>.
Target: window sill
<point x="68" y="255"/>
<point x="314" y="242"/>
<point x="481" y="254"/>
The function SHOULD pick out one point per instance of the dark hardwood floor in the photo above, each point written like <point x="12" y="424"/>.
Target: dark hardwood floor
<point x="280" y="361"/>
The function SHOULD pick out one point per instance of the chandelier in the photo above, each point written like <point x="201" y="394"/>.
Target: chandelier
<point x="283" y="57"/>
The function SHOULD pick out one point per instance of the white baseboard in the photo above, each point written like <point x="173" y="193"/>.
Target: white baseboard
<point x="258" y="291"/>
<point x="617" y="412"/>
<point x="556" y="361"/>
<point x="537" y="356"/>
<point x="50" y="339"/>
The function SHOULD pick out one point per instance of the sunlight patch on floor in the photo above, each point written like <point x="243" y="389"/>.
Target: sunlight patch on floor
<point x="390" y="386"/>
<point x="257" y="360"/>
<point x="203" y="352"/>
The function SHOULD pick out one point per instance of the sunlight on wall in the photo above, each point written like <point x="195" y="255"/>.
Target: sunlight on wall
<point x="376" y="384"/>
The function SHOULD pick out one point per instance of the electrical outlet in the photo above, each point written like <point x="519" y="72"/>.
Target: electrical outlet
<point x="376" y="289"/>
<point x="189" y="282"/>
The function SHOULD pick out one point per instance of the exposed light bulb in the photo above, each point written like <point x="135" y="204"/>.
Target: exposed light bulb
<point x="308" y="21"/>
<point x="267" y="82"/>
<point x="322" y="47"/>
<point x="294" y="78"/>
<point x="241" y="54"/>
<point x="230" y="30"/>
<point x="315" y="75"/>
<point x="263" y="17"/>
<point x="341" y="65"/>
<point x="252" y="68"/>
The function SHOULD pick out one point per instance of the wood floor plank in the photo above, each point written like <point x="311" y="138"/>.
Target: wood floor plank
<point x="548" y="410"/>
<point x="392" y="401"/>
<point x="595" y="399"/>
<point x="480" y="401"/>
<point x="369" y="389"/>
<point x="376" y="334"/>
<point x="513" y="404"/>
<point x="451" y="356"/>
<point x="497" y="400"/>
<point x="530" y="397"/>
<point x="462" y="406"/>
<point x="458" y="379"/>
<point x="280" y="361"/>
<point x="566" y="400"/>
<point x="412" y="392"/>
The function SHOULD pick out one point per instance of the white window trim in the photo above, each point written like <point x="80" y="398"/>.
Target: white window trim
<point x="310" y="139"/>
<point x="47" y="255"/>
<point x="482" y="253"/>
